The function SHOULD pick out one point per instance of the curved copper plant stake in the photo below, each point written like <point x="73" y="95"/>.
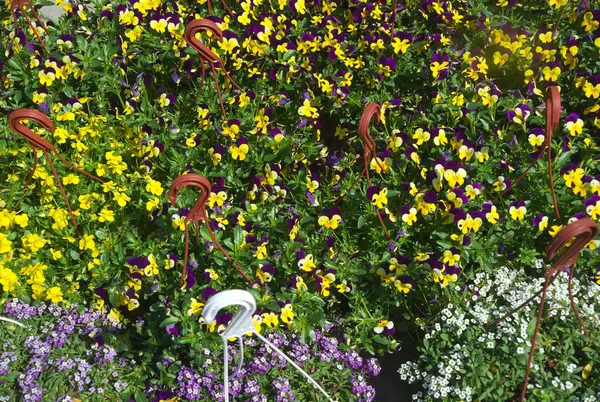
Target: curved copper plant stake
<point x="196" y="214"/>
<point x="372" y="111"/>
<point x="224" y="5"/>
<point x="562" y="11"/>
<point x="207" y="55"/>
<point x="552" y="120"/>
<point x="36" y="142"/>
<point x="20" y="5"/>
<point x="583" y="230"/>
<point x="394" y="4"/>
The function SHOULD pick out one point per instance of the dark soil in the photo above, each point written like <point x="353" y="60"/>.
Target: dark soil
<point x="389" y="386"/>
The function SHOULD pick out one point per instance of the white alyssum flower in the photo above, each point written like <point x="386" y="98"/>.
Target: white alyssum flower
<point x="492" y="296"/>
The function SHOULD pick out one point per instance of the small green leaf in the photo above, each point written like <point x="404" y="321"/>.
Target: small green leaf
<point x="316" y="317"/>
<point x="381" y="340"/>
<point x="238" y="236"/>
<point x="288" y="55"/>
<point x="361" y="221"/>
<point x="112" y="298"/>
<point x="184" y="340"/>
<point x="140" y="396"/>
<point x="531" y="326"/>
<point x="229" y="244"/>
<point x="168" y="320"/>
<point x="81" y="42"/>
<point x="444" y="244"/>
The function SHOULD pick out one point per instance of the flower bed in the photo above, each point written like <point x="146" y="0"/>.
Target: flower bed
<point x="456" y="103"/>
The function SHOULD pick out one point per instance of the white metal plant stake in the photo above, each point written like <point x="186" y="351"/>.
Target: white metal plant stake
<point x="240" y="325"/>
<point x="11" y="321"/>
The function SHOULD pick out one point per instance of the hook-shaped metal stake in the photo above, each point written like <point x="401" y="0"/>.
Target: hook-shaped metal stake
<point x="196" y="214"/>
<point x="207" y="55"/>
<point x="240" y="325"/>
<point x="15" y="122"/>
<point x="552" y="120"/>
<point x="372" y="112"/>
<point x="583" y="231"/>
<point x="9" y="320"/>
<point x="224" y="5"/>
<point x="394" y="6"/>
<point x="20" y="5"/>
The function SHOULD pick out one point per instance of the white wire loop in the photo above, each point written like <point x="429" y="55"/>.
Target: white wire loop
<point x="11" y="321"/>
<point x="240" y="325"/>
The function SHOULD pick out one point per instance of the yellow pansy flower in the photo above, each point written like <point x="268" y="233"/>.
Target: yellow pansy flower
<point x="22" y="220"/>
<point x="54" y="294"/>
<point x="287" y="314"/>
<point x="32" y="242"/>
<point x="154" y="187"/>
<point x="8" y="279"/>
<point x="217" y="199"/>
<point x="410" y="217"/>
<point x="517" y="213"/>
<point x="307" y="110"/>
<point x="330" y="223"/>
<point x="239" y="153"/>
<point x="380" y="199"/>
<point x="591" y="91"/>
<point x="106" y="215"/>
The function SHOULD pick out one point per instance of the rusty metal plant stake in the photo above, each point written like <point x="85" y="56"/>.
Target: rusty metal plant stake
<point x="36" y="142"/>
<point x="394" y="4"/>
<point x="552" y="120"/>
<point x="196" y="214"/>
<point x="20" y="6"/>
<point x="207" y="55"/>
<point x="583" y="230"/>
<point x="372" y="111"/>
<point x="224" y="5"/>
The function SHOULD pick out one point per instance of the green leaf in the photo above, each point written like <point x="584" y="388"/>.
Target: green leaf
<point x="229" y="244"/>
<point x="445" y="244"/>
<point x="140" y="396"/>
<point x="81" y="43"/>
<point x="184" y="340"/>
<point x="255" y="293"/>
<point x="112" y="297"/>
<point x="531" y="326"/>
<point x="74" y="255"/>
<point x="168" y="320"/>
<point x="361" y="221"/>
<point x="130" y="237"/>
<point x="238" y="236"/>
<point x="288" y="55"/>
<point x="381" y="340"/>
<point x="316" y="317"/>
